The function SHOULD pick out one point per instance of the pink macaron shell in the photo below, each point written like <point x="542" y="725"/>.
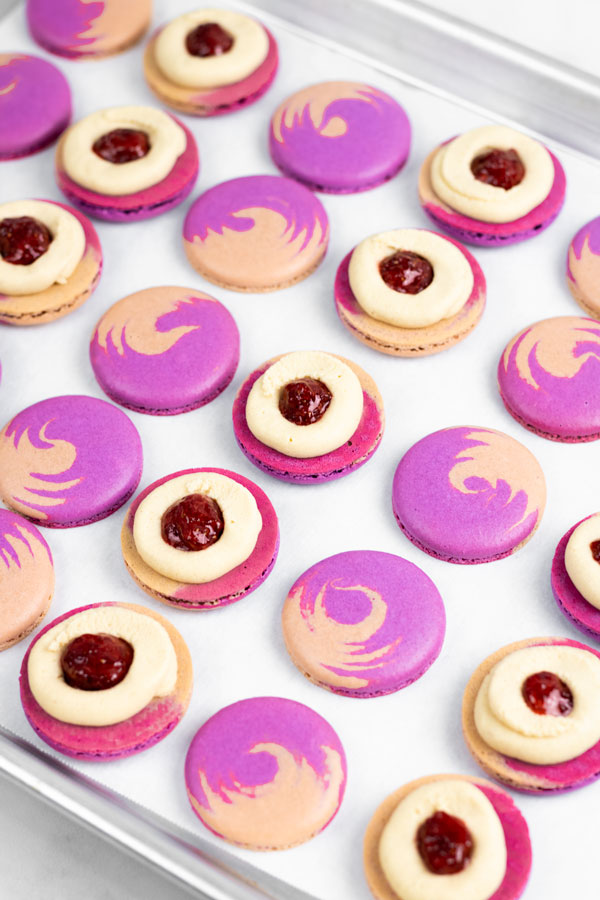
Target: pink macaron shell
<point x="87" y="28"/>
<point x="35" y="104"/>
<point x="98" y="743"/>
<point x="69" y="461"/>
<point x="489" y="234"/>
<point x="468" y="495"/>
<point x="152" y="201"/>
<point x="570" y="601"/>
<point x="351" y="455"/>
<point x="165" y="350"/>
<point x="583" y="267"/>
<point x="340" y="137"/>
<point x="363" y="623"/>
<point x="267" y="765"/>
<point x="232" y="586"/>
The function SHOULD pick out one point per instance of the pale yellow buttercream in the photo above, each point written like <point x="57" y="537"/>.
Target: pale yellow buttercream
<point x="582" y="568"/>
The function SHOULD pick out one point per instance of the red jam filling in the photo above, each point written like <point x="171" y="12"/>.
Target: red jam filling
<point x="193" y="523"/>
<point x="547" y="695"/>
<point x="406" y="272"/>
<point x="95" y="662"/>
<point x="208" y="39"/>
<point x="23" y="240"/>
<point x="595" y="548"/>
<point x="502" y="168"/>
<point x="304" y="401"/>
<point x="122" y="145"/>
<point x="444" y="843"/>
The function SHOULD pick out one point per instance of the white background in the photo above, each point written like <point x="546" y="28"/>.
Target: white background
<point x="42" y="854"/>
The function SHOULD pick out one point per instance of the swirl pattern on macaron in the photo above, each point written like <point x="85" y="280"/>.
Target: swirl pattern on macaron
<point x="74" y="28"/>
<point x="266" y="773"/>
<point x="583" y="267"/>
<point x="35" y="104"/>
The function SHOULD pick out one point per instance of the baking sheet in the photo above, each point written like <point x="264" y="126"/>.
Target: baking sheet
<point x="238" y="651"/>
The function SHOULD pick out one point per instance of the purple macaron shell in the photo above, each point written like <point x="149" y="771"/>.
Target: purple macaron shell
<point x="340" y="137"/>
<point x="166" y="350"/>
<point x="489" y="234"/>
<point x="583" y="266"/>
<point x="35" y="104"/>
<point x="570" y="601"/>
<point x="351" y="455"/>
<point x="61" y="27"/>
<point x="468" y="495"/>
<point x="97" y="743"/>
<point x="518" y="844"/>
<point x="221" y="755"/>
<point x="549" y="378"/>
<point x="152" y="201"/>
<point x="69" y="460"/>
<point x="364" y="623"/>
<point x="244" y="578"/>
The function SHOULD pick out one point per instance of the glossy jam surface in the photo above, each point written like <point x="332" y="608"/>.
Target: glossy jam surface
<point x="304" y="401"/>
<point x="444" y="843"/>
<point x="595" y="548"/>
<point x="545" y="694"/>
<point x="95" y="662"/>
<point x="208" y="39"/>
<point x="193" y="523"/>
<point x="501" y="168"/>
<point x="23" y="240"/>
<point x="122" y="145"/>
<point x="406" y="272"/>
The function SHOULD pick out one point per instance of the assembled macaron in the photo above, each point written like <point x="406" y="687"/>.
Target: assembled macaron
<point x="492" y="186"/>
<point x="210" y="61"/>
<point x="583" y="267"/>
<point x="575" y="575"/>
<point x="79" y="29"/>
<point x="340" y="137"/>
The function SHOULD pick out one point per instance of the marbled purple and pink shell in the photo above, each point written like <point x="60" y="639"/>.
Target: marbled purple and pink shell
<point x="583" y="267"/>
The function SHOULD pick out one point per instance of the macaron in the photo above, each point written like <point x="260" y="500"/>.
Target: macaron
<point x="165" y="350"/>
<point x="26" y="578"/>
<point x="549" y="379"/>
<point x="285" y="423"/>
<point x="376" y="282"/>
<point x="207" y="62"/>
<point x="531" y="718"/>
<point x="492" y="186"/>
<point x="35" y="104"/>
<point x="363" y="623"/>
<point x="340" y="137"/>
<point x="200" y="538"/>
<point x="50" y="261"/>
<point x="583" y="267"/>
<point x="82" y="695"/>
<point x="127" y="163"/>
<point x="257" y="233"/>
<point x="574" y="575"/>
<point x="451" y="836"/>
<point x="79" y="29"/>
<point x="69" y="461"/>
<point x="468" y="494"/>
<point x="265" y="773"/>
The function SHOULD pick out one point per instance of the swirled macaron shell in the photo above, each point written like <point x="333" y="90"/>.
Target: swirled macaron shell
<point x="80" y="28"/>
<point x="35" y="104"/>
<point x="583" y="267"/>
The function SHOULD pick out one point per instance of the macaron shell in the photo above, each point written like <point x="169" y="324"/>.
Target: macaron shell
<point x="230" y="587"/>
<point x="165" y="350"/>
<point x="363" y="623"/>
<point x="583" y="267"/>
<point x="141" y="731"/>
<point x="146" y="204"/>
<point x="69" y="460"/>
<point x="516" y="835"/>
<point x="468" y="495"/>
<point x="266" y="773"/>
<point x="408" y="342"/>
<point x="80" y="28"/>
<point x="35" y="104"/>
<point x="350" y="456"/>
<point x="518" y="775"/>
<point x="571" y="602"/>
<point x="257" y="233"/>
<point x="26" y="578"/>
<point x="340" y="137"/>
<point x="489" y="234"/>
<point x="59" y="299"/>
<point x="549" y="378"/>
<point x="218" y="100"/>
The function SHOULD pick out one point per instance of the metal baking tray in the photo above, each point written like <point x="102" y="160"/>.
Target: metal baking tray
<point x="428" y="60"/>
